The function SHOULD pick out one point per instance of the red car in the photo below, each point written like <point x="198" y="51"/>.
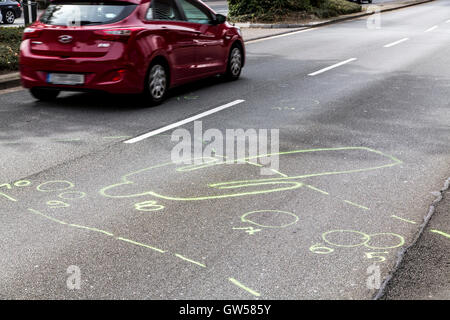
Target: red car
<point x="127" y="46"/>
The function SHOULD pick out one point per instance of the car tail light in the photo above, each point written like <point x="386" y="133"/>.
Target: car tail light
<point x="118" y="75"/>
<point x="116" y="34"/>
<point x="18" y="4"/>
<point x="31" y="33"/>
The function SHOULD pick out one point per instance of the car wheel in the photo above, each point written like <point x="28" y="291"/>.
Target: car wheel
<point x="157" y="84"/>
<point x="44" y="94"/>
<point x="234" y="68"/>
<point x="9" y="17"/>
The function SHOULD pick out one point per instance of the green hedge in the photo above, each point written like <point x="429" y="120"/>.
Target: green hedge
<point x="334" y="8"/>
<point x="277" y="10"/>
<point x="10" y="39"/>
<point x="261" y="7"/>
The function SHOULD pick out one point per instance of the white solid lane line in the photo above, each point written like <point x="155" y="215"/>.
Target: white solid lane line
<point x="332" y="67"/>
<point x="183" y="122"/>
<point x="432" y="28"/>
<point x="396" y="43"/>
<point x="280" y="35"/>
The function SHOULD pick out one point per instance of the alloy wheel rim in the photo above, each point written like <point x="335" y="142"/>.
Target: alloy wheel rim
<point x="9" y="17"/>
<point x="158" y="81"/>
<point x="236" y="61"/>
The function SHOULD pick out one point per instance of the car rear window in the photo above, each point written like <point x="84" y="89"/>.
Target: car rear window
<point x="86" y="13"/>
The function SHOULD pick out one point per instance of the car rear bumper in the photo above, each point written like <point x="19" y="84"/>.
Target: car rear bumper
<point x="109" y="75"/>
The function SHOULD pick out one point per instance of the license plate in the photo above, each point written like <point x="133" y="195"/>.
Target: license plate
<point x="65" y="78"/>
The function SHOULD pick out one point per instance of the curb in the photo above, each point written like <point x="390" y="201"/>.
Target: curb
<point x="317" y="24"/>
<point x="401" y="255"/>
<point x="9" y="80"/>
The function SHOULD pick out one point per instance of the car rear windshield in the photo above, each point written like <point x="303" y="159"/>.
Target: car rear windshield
<point x="86" y="13"/>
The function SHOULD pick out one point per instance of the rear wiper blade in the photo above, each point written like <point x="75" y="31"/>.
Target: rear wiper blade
<point x="83" y="22"/>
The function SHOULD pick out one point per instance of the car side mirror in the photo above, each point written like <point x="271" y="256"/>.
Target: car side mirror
<point x="220" y="18"/>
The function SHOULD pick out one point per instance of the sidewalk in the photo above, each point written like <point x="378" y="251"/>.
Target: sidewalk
<point x="424" y="273"/>
<point x="254" y="31"/>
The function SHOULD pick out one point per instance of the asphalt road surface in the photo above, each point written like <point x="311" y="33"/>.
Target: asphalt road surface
<point x="362" y="147"/>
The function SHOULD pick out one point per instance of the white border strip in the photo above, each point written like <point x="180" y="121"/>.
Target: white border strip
<point x="332" y="67"/>
<point x="396" y="43"/>
<point x="183" y="122"/>
<point x="281" y="35"/>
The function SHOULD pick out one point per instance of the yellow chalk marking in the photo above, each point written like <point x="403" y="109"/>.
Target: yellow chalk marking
<point x="69" y="186"/>
<point x="47" y="217"/>
<point x="8" y="197"/>
<point x="403" y="219"/>
<point x="441" y="233"/>
<point x="245" y="218"/>
<point x="376" y="255"/>
<point x="240" y="285"/>
<point x="22" y="183"/>
<point x="91" y="229"/>
<point x="363" y="238"/>
<point x="189" y="260"/>
<point x="57" y="204"/>
<point x="294" y="185"/>
<point x="8" y="186"/>
<point x="76" y="195"/>
<point x="316" y="189"/>
<point x="250" y="230"/>
<point x="394" y="163"/>
<point x="126" y="180"/>
<point x="278" y="172"/>
<point x="141" y="244"/>
<point x="254" y="164"/>
<point x="148" y="206"/>
<point x="356" y="205"/>
<point x="95" y="230"/>
<point x="320" y="249"/>
<point x="402" y="241"/>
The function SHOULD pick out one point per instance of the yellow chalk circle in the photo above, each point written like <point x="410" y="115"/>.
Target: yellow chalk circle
<point x="43" y="187"/>
<point x="252" y="215"/>
<point x="148" y="206"/>
<point x="401" y="241"/>
<point x="72" y="195"/>
<point x="361" y="238"/>
<point x="319" y="249"/>
<point x="22" y="183"/>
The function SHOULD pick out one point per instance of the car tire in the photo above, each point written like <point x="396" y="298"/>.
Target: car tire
<point x="157" y="83"/>
<point x="9" y="17"/>
<point x="44" y="94"/>
<point x="234" y="67"/>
